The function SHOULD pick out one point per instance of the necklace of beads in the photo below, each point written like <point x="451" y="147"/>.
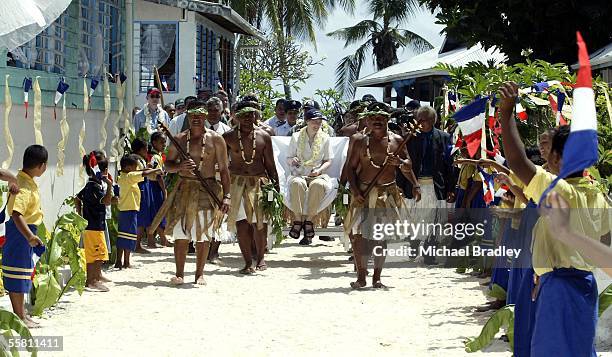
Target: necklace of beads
<point x="248" y="162"/>
<point x="370" y="156"/>
<point x="203" y="146"/>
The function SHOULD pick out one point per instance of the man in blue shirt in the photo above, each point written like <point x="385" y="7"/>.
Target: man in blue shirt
<point x="280" y="116"/>
<point x="147" y="116"/>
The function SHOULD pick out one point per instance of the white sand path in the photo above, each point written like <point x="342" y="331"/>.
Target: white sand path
<point x="302" y="305"/>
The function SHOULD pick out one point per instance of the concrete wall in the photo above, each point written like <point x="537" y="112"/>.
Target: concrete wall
<point x="55" y="189"/>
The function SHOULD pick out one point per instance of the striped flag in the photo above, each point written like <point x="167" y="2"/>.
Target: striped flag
<point x="502" y="190"/>
<point x="580" y="150"/>
<point x="27" y="85"/>
<point x="521" y="113"/>
<point x="470" y="119"/>
<point x="488" y="186"/>
<point x="556" y="104"/>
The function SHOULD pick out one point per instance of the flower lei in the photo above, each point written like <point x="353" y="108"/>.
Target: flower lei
<point x="249" y="162"/>
<point x="317" y="145"/>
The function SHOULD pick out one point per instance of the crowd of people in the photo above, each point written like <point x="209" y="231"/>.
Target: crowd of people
<point x="200" y="178"/>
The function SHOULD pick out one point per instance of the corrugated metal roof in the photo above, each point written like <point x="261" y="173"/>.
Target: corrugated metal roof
<point x="601" y="58"/>
<point x="422" y="65"/>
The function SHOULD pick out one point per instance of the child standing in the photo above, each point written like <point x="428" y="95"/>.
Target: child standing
<point x="140" y="148"/>
<point x="26" y="214"/>
<point x="94" y="199"/>
<point x="129" y="205"/>
<point x="158" y="186"/>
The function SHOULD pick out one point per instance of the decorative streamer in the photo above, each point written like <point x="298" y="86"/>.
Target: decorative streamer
<point x="62" y="87"/>
<point x="114" y="155"/>
<point x="27" y="85"/>
<point x="107" y="109"/>
<point x="127" y="126"/>
<point x="608" y="105"/>
<point x="82" y="133"/>
<point x="65" y="130"/>
<point x="8" y="104"/>
<point x="93" y="86"/>
<point x="37" y="113"/>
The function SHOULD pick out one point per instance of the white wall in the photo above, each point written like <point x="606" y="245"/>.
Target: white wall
<point x="53" y="189"/>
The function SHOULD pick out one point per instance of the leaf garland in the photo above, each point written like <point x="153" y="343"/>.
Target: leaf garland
<point x="273" y="210"/>
<point x="339" y="206"/>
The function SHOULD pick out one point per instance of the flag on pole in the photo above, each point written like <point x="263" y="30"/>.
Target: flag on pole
<point x="470" y="119"/>
<point x="27" y="85"/>
<point x="580" y="150"/>
<point x="501" y="191"/>
<point x="556" y="104"/>
<point x="452" y="100"/>
<point x="521" y="113"/>
<point x="458" y="144"/>
<point x="3" y="226"/>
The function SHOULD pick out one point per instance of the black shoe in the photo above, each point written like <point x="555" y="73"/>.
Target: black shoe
<point x="327" y="238"/>
<point x="305" y="241"/>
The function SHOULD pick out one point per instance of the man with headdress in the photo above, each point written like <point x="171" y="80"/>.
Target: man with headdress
<point x="369" y="154"/>
<point x="191" y="211"/>
<point x="251" y="163"/>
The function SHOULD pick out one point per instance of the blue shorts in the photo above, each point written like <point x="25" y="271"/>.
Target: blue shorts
<point x="17" y="264"/>
<point x="157" y="200"/>
<point x="128" y="230"/>
<point x="144" y="214"/>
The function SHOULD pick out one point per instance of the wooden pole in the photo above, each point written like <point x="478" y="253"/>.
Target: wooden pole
<point x="159" y="84"/>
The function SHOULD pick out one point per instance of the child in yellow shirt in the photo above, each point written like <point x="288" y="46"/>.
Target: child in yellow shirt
<point x="129" y="204"/>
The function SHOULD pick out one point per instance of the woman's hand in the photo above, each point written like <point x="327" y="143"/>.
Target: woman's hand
<point x="314" y="173"/>
<point x="504" y="179"/>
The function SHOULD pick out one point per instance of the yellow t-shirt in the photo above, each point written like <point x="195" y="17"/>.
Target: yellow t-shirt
<point x="466" y="172"/>
<point x="589" y="216"/>
<point x="27" y="201"/>
<point x="129" y="192"/>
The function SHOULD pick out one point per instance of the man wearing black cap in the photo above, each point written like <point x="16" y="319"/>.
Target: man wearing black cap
<point x="179" y="106"/>
<point x="147" y="117"/>
<point x="292" y="110"/>
<point x="280" y="117"/>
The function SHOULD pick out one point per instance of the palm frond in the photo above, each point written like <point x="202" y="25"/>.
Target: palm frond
<point x="394" y="10"/>
<point x="347" y="71"/>
<point x="346" y="5"/>
<point x="300" y="17"/>
<point x="356" y="33"/>
<point x="407" y="38"/>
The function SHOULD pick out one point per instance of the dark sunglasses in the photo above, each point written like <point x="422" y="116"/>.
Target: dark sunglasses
<point x="154" y="96"/>
<point x="379" y="106"/>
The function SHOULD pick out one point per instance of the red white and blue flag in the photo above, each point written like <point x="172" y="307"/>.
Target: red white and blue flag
<point x="164" y="83"/>
<point x="488" y="186"/>
<point x="3" y="226"/>
<point x="580" y="150"/>
<point x="556" y="104"/>
<point x="521" y="113"/>
<point x="501" y="191"/>
<point x="93" y="163"/>
<point x="93" y="86"/>
<point x="470" y="119"/>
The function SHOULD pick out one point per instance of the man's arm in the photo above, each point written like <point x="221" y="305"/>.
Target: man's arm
<point x="7" y="176"/>
<point x="108" y="195"/>
<point x="513" y="146"/>
<point x="222" y="163"/>
<point x="353" y="165"/>
<point x="268" y="156"/>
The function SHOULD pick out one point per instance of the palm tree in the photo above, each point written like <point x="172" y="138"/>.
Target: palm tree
<point x="382" y="36"/>
<point x="289" y="19"/>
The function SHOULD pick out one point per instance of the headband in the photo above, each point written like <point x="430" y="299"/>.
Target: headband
<point x="246" y="110"/>
<point x="374" y="113"/>
<point x="199" y="110"/>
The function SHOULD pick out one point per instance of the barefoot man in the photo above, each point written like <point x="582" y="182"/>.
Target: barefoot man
<point x="252" y="161"/>
<point x="192" y="214"/>
<point x="369" y="154"/>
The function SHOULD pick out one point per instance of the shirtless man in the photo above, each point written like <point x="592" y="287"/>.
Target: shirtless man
<point x="251" y="161"/>
<point x="190" y="205"/>
<point x="366" y="157"/>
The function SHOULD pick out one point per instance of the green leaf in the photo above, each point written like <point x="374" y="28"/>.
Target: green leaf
<point x="10" y="322"/>
<point x="497" y="292"/>
<point x="605" y="299"/>
<point x="47" y="291"/>
<point x="503" y="317"/>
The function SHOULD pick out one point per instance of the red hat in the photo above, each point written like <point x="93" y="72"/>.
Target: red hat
<point x="153" y="90"/>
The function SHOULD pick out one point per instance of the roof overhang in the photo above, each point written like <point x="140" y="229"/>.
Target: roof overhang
<point x="383" y="81"/>
<point x="220" y="14"/>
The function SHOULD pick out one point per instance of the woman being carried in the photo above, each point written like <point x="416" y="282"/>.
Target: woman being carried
<point x="309" y="157"/>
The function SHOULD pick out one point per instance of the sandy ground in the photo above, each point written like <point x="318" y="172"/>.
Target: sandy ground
<point x="301" y="306"/>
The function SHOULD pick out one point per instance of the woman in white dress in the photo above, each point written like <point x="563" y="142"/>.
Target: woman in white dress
<point x="309" y="157"/>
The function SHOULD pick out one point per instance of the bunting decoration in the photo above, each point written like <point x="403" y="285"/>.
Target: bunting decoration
<point x="580" y="150"/>
<point x="27" y="85"/>
<point x="61" y="145"/>
<point x="37" y="113"/>
<point x="107" y="109"/>
<point x="471" y="121"/>
<point x="114" y="153"/>
<point x="488" y="187"/>
<point x="93" y="86"/>
<point x="556" y="105"/>
<point x="8" y="104"/>
<point x="82" y="151"/>
<point x="164" y="83"/>
<point x="521" y="113"/>
<point x="62" y="87"/>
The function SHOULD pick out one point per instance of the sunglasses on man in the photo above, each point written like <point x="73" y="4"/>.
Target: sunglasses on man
<point x="154" y="96"/>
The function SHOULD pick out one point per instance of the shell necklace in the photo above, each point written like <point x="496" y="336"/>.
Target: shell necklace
<point x="203" y="147"/>
<point x="370" y="156"/>
<point x="248" y="162"/>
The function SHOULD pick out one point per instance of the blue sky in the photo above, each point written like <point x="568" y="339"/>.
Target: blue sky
<point x="332" y="50"/>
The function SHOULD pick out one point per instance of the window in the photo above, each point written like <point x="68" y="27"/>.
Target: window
<point x="100" y="37"/>
<point x="46" y="52"/>
<point x="206" y="68"/>
<point x="158" y="44"/>
<point x="226" y="49"/>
